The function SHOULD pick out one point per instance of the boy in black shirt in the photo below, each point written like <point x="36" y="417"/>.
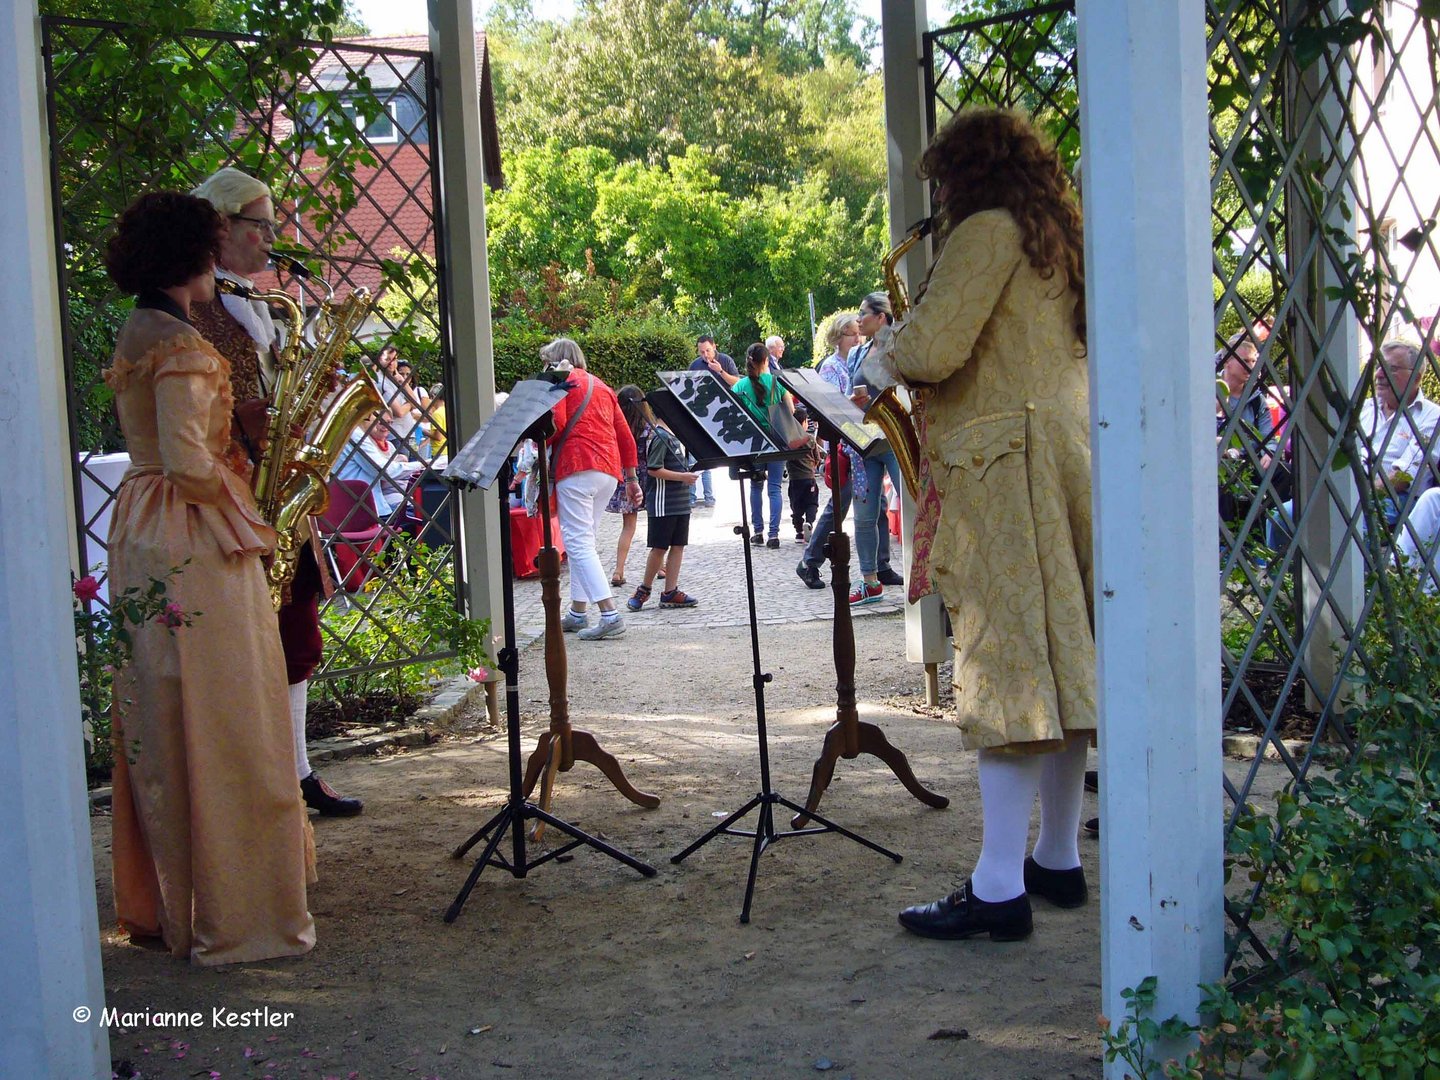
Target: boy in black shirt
<point x="667" y="508"/>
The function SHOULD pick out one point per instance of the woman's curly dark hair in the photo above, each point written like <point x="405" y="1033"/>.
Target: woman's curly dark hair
<point x="993" y="159"/>
<point x="163" y="239"/>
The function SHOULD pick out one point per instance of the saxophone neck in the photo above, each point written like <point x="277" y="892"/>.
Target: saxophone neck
<point x="894" y="284"/>
<point x="287" y="303"/>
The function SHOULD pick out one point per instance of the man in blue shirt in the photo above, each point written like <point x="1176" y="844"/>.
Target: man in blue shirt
<point x="712" y="359"/>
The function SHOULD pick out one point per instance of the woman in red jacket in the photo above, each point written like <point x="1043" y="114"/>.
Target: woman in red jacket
<point x="592" y="449"/>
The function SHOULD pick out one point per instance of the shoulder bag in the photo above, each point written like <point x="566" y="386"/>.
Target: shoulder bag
<point x="788" y="431"/>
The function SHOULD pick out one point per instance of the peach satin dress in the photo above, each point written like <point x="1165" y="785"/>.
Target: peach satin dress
<point x="212" y="846"/>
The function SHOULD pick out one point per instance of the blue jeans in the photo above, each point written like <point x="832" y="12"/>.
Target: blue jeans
<point x="773" y="474"/>
<point x="872" y="526"/>
<point x="815" y="550"/>
<point x="1279" y="530"/>
<point x="706" y="487"/>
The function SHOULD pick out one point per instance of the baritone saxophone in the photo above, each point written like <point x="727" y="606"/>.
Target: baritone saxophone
<point x="307" y="426"/>
<point x="900" y="422"/>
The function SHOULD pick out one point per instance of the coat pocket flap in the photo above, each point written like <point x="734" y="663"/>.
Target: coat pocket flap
<point x="981" y="442"/>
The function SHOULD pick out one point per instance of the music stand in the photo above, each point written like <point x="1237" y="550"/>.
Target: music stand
<point x="840" y="420"/>
<point x="714" y="426"/>
<point x="484" y="460"/>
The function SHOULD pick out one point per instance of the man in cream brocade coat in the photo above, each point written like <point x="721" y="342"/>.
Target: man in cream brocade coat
<point x="1009" y="454"/>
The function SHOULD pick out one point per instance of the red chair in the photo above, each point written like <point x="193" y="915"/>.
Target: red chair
<point x="352" y="532"/>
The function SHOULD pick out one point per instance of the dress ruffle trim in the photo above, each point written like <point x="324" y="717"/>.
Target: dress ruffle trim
<point x="122" y="372"/>
<point x="236" y="522"/>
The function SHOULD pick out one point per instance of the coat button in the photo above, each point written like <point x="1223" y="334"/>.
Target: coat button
<point x="978" y="460"/>
<point x="1016" y="443"/>
<point x="1029" y="406"/>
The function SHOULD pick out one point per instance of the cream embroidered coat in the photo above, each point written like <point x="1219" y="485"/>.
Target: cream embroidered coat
<point x="1008" y="443"/>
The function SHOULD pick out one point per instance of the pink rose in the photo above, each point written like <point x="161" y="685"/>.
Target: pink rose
<point x="479" y="674"/>
<point x="172" y="616"/>
<point x="86" y="589"/>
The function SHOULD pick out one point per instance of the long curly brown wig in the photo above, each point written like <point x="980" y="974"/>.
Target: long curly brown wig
<point x="993" y="159"/>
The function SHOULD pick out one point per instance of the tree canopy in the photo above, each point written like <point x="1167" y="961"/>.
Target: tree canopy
<point x="724" y="157"/>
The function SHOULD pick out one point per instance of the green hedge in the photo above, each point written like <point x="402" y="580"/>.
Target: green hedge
<point x="1256" y="293"/>
<point x="617" y="355"/>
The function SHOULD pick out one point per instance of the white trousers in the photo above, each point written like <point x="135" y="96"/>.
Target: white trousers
<point x="582" y="498"/>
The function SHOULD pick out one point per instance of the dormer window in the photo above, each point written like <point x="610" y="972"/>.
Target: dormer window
<point x="384" y="128"/>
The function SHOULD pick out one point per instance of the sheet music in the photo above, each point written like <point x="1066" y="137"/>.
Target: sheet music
<point x="826" y="402"/>
<point x="725" y="420"/>
<point x="487" y="451"/>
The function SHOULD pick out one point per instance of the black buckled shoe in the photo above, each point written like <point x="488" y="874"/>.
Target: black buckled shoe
<point x="1063" y="888"/>
<point x="322" y="797"/>
<point x="962" y="915"/>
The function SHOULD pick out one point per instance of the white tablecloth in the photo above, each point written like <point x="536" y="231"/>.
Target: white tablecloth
<point x="99" y="477"/>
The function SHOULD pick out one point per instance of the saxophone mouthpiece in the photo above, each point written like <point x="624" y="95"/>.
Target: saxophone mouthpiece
<point x="284" y="260"/>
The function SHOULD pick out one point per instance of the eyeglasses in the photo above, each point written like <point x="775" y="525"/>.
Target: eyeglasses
<point x="263" y="224"/>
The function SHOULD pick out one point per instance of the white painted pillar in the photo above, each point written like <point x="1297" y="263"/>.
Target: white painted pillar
<point x="1147" y="205"/>
<point x="903" y="26"/>
<point x="462" y="180"/>
<point x="49" y="928"/>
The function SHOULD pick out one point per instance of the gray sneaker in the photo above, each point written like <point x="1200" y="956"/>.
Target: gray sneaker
<point x="603" y="629"/>
<point x="573" y="621"/>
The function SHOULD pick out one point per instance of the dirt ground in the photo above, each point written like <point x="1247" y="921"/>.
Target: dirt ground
<point x="586" y="969"/>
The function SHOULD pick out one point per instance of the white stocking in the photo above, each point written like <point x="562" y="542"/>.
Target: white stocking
<point x="1062" y="788"/>
<point x="1008" y="783"/>
<point x="298" y="693"/>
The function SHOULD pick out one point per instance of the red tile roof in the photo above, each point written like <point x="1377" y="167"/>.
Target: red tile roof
<point x="394" y="215"/>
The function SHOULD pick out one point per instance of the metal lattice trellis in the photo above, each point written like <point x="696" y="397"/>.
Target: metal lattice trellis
<point x="342" y="133"/>
<point x="1325" y="188"/>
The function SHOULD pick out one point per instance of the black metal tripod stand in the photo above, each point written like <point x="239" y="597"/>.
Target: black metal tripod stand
<point x="518" y="809"/>
<point x="767" y="798"/>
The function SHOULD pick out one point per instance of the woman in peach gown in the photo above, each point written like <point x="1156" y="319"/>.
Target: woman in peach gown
<point x="212" y="850"/>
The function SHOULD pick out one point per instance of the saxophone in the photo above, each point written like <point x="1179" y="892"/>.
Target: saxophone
<point x="307" y="428"/>
<point x="901" y="424"/>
